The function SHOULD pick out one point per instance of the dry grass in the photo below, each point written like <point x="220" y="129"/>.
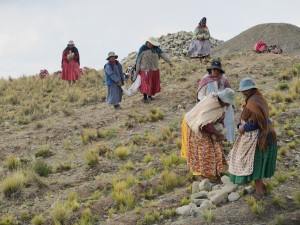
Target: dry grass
<point x="122" y="152"/>
<point x="12" y="184"/>
<point x="37" y="220"/>
<point x="92" y="157"/>
<point x="59" y="213"/>
<point x="12" y="162"/>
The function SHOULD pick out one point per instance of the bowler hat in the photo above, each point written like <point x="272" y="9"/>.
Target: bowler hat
<point x="216" y="64"/>
<point x="246" y="84"/>
<point x="226" y="95"/>
<point x="111" y="54"/>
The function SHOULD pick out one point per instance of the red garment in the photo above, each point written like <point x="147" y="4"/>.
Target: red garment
<point x="150" y="82"/>
<point x="70" y="68"/>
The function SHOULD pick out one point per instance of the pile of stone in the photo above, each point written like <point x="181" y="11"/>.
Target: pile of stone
<point x="206" y="194"/>
<point x="175" y="45"/>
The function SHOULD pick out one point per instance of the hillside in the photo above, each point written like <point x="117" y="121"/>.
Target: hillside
<point x="69" y="158"/>
<point x="287" y="36"/>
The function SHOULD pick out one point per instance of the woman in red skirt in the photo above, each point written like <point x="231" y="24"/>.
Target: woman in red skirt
<point x="147" y="67"/>
<point x="70" y="63"/>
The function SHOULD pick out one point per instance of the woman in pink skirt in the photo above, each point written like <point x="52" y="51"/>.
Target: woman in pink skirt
<point x="70" y="63"/>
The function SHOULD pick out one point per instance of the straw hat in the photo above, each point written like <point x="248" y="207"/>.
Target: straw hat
<point x="111" y="54"/>
<point x="246" y="84"/>
<point x="153" y="41"/>
<point x="226" y="95"/>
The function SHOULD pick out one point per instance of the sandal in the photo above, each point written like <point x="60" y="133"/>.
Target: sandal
<point x="257" y="196"/>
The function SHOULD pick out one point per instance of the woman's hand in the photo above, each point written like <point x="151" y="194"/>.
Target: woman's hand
<point x="241" y="129"/>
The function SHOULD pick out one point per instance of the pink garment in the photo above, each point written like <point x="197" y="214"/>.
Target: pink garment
<point x="70" y="68"/>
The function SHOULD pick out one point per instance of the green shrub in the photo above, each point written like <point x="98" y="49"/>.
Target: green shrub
<point x="122" y="152"/>
<point x="42" y="168"/>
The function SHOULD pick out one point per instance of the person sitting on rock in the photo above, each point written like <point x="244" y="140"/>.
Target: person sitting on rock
<point x="200" y="45"/>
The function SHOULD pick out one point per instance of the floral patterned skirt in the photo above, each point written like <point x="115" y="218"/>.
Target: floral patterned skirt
<point x="205" y="156"/>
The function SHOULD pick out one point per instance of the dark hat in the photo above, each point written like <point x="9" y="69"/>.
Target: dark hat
<point x="216" y="64"/>
<point x="203" y="20"/>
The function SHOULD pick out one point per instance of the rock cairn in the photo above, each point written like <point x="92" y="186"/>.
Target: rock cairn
<point x="175" y="45"/>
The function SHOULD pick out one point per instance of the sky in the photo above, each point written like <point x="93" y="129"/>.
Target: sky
<point x="33" y="33"/>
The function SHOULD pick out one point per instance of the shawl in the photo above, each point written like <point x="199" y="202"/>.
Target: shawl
<point x="144" y="47"/>
<point x="73" y="50"/>
<point x="204" y="112"/>
<point x="256" y="110"/>
<point x="220" y="79"/>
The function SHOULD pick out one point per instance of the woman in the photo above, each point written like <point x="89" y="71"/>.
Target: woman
<point x="216" y="81"/>
<point x="147" y="68"/>
<point x="200" y="45"/>
<point x="70" y="63"/>
<point x="204" y="153"/>
<point x="114" y="80"/>
<point x="254" y="153"/>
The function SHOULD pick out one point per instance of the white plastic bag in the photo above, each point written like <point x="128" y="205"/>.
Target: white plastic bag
<point x="133" y="88"/>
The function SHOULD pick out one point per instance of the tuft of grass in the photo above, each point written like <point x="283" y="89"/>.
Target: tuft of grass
<point x="250" y="200"/>
<point x="153" y="139"/>
<point x="282" y="106"/>
<point x="167" y="213"/>
<point x="9" y="220"/>
<point x="13" y="183"/>
<point x="148" y="158"/>
<point x="59" y="214"/>
<point x="292" y="145"/>
<point x="92" y="157"/>
<point x="282" y="151"/>
<point x="283" y="86"/>
<point x="170" y="161"/>
<point x="278" y="200"/>
<point x="297" y="198"/>
<point x="257" y="207"/>
<point x="155" y="115"/>
<point x="148" y="173"/>
<point x="111" y="211"/>
<point x="276" y="96"/>
<point x="131" y="180"/>
<point x="34" y="178"/>
<point x="108" y="133"/>
<point x="12" y="162"/>
<point x="209" y="216"/>
<point x="66" y="144"/>
<point x="151" y="218"/>
<point x="148" y="194"/>
<point x="42" y="168"/>
<point x="122" y="152"/>
<point x="178" y="143"/>
<point x="88" y="135"/>
<point x="185" y="201"/>
<point x="86" y="217"/>
<point x="291" y="133"/>
<point x="37" y="220"/>
<point x="43" y="152"/>
<point x="269" y="187"/>
<point x="63" y="167"/>
<point x="171" y="180"/>
<point x="279" y="219"/>
<point x="281" y="176"/>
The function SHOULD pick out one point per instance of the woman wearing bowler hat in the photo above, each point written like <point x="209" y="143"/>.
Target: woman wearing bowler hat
<point x="215" y="81"/>
<point x="70" y="63"/>
<point x="147" y="67"/>
<point x="254" y="153"/>
<point x="200" y="45"/>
